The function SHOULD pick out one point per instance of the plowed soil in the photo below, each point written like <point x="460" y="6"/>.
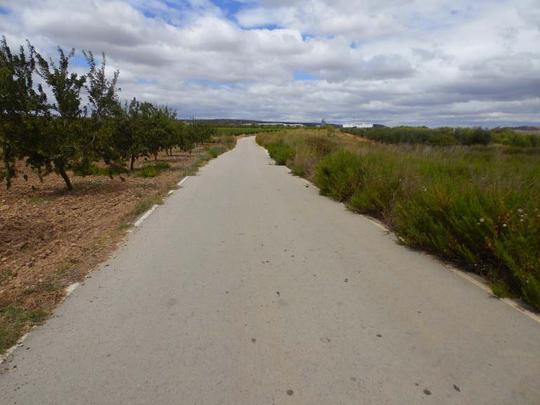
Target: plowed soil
<point x="50" y="238"/>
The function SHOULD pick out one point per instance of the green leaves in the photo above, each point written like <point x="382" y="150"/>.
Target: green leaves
<point x="280" y="152"/>
<point x="340" y="174"/>
<point x="19" y="101"/>
<point x="69" y="132"/>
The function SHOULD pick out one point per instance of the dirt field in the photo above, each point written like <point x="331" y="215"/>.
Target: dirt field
<point x="50" y="238"/>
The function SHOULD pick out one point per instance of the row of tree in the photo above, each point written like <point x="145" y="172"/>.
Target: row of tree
<point x="56" y="119"/>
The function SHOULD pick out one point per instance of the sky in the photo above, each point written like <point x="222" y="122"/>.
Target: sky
<point x="393" y="62"/>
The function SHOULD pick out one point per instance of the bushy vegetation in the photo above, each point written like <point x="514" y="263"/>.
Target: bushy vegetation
<point x="447" y="136"/>
<point x="215" y="151"/>
<point x="280" y="152"/>
<point x="244" y="130"/>
<point x="228" y="140"/>
<point x="69" y="121"/>
<point x="476" y="206"/>
<point x="339" y="174"/>
<point x="152" y="170"/>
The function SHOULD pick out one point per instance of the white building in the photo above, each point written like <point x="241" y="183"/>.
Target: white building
<point x="358" y="125"/>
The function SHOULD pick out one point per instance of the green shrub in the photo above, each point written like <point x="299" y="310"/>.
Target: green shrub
<point x="308" y="152"/>
<point x="153" y="170"/>
<point x="322" y="145"/>
<point x="281" y="152"/>
<point x="148" y="171"/>
<point x="215" y="151"/>
<point x="481" y="228"/>
<point x="162" y="166"/>
<point x="229" y="141"/>
<point x="339" y="174"/>
<point x="380" y="187"/>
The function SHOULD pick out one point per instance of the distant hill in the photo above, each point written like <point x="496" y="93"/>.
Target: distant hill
<point x="241" y="122"/>
<point x="526" y="128"/>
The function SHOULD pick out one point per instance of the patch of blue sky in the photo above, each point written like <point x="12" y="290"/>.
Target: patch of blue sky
<point x="149" y="13"/>
<point x="177" y="4"/>
<point x="174" y="8"/>
<point x="169" y="11"/>
<point x="4" y="10"/>
<point x="300" y="75"/>
<point x="79" y="59"/>
<point x="310" y="37"/>
<point x="268" y="27"/>
<point x="229" y="7"/>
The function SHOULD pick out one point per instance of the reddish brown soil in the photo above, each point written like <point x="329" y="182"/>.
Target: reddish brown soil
<point x="50" y="238"/>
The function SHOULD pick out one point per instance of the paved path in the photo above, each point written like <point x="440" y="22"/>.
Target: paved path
<point x="247" y="287"/>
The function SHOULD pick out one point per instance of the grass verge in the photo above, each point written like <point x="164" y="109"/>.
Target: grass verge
<point x="15" y="319"/>
<point x="152" y="170"/>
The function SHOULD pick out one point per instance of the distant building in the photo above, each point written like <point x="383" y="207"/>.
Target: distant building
<point x="358" y="125"/>
<point x="284" y="124"/>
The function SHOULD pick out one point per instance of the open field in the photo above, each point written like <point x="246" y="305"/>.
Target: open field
<point x="450" y="136"/>
<point x="478" y="206"/>
<point x="50" y="238"/>
<point x="243" y="130"/>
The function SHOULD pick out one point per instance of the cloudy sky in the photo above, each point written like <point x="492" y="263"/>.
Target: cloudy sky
<point x="433" y="62"/>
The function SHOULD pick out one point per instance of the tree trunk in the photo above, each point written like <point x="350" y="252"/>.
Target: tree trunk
<point x="62" y="171"/>
<point x="132" y="162"/>
<point x="7" y="164"/>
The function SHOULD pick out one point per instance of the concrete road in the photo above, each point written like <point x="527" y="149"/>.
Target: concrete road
<point x="247" y="287"/>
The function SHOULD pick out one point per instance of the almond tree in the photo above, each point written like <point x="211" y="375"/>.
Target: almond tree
<point x="105" y="108"/>
<point x="20" y="104"/>
<point x="59" y="147"/>
<point x="128" y="137"/>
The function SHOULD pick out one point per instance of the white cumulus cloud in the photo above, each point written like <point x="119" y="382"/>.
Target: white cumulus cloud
<point x="433" y="62"/>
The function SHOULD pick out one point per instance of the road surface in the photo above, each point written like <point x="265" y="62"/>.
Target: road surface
<point x="247" y="287"/>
